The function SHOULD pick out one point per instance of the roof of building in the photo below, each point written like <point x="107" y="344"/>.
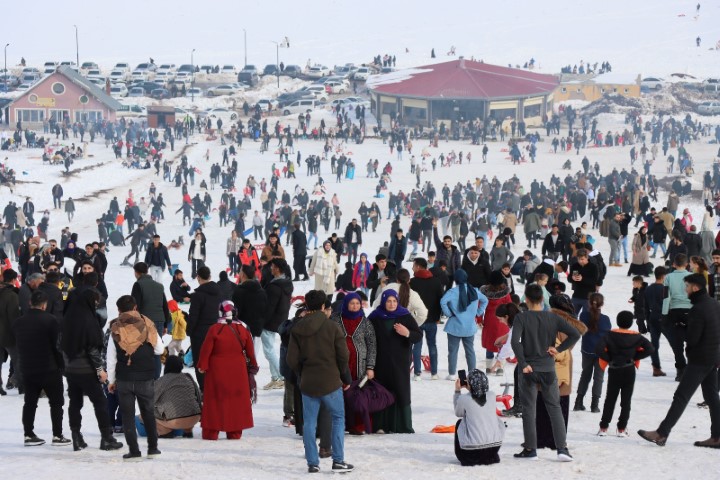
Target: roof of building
<point x="463" y="79"/>
<point x="83" y="83"/>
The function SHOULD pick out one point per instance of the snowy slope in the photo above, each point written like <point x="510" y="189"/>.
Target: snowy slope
<point x="271" y="451"/>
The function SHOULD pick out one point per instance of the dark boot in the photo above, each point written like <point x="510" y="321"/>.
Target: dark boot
<point x="579" y="407"/>
<point x="653" y="437"/>
<point x="679" y="374"/>
<point x="78" y="441"/>
<point x="594" y="405"/>
<point x="108" y="442"/>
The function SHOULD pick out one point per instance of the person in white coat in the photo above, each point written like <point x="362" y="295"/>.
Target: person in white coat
<point x="324" y="268"/>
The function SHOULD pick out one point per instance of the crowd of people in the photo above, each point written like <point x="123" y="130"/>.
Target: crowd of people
<point x="364" y="325"/>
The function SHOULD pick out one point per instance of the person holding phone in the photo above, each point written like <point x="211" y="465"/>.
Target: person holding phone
<point x="584" y="279"/>
<point x="479" y="432"/>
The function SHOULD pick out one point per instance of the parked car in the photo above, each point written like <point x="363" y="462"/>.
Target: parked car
<point x="709" y="108"/>
<point x="24" y="87"/>
<point x="292" y="71"/>
<point x="146" y="67"/>
<point x="166" y="67"/>
<point x="711" y="84"/>
<point x="186" y="67"/>
<point x="88" y="66"/>
<point x="165" y="76"/>
<point x="224" y="89"/>
<point x="123" y="67"/>
<point x="136" y="92"/>
<point x="94" y="73"/>
<point x="184" y="77"/>
<point x="271" y="69"/>
<point x="160" y="94"/>
<point x="318" y="71"/>
<point x="30" y="78"/>
<point x="118" y="90"/>
<point x="118" y="76"/>
<point x="10" y="79"/>
<point x="229" y="69"/>
<point x="69" y="63"/>
<point x="304" y="105"/>
<point x="49" y="70"/>
<point x="50" y="64"/>
<point x="97" y="81"/>
<point x="250" y="68"/>
<point x="652" y="83"/>
<point x="248" y="77"/>
<point x="267" y="105"/>
<point x="227" y="116"/>
<point x="343" y="71"/>
<point x="337" y="86"/>
<point x="194" y="92"/>
<point x="132" y="111"/>
<point x="139" y="76"/>
<point x="362" y="74"/>
<point x="319" y="92"/>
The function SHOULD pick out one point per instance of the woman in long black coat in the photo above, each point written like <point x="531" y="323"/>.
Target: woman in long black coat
<point x="395" y="332"/>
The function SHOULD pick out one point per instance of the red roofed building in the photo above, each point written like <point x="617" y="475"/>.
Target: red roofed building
<point x="461" y="90"/>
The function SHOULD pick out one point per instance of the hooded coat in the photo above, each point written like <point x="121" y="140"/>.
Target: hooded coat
<point x="251" y="302"/>
<point x="492" y="327"/>
<point x="279" y="293"/>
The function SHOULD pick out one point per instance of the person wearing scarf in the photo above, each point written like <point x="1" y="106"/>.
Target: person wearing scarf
<point x="461" y="304"/>
<point x="360" y="339"/>
<point x="226" y="356"/>
<point x="479" y="432"/>
<point x="395" y="332"/>
<point x="640" y="264"/>
<point x="131" y="372"/>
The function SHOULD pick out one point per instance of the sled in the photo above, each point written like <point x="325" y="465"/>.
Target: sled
<point x="248" y="231"/>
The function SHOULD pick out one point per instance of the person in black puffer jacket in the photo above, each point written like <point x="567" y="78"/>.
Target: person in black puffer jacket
<point x="279" y="293"/>
<point x="250" y="300"/>
<point x="203" y="315"/>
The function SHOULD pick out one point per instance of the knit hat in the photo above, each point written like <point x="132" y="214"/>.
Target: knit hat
<point x="479" y="385"/>
<point x="497" y="278"/>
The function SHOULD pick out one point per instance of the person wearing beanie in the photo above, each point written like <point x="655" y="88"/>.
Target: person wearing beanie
<point x="620" y="352"/>
<point x="462" y="304"/>
<point x="497" y="292"/>
<point x="227" y="359"/>
<point x="703" y="351"/>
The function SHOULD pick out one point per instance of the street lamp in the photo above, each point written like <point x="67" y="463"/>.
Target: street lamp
<point x="285" y="44"/>
<point x="77" y="50"/>
<point x="6" y="72"/>
<point x="245" y="43"/>
<point x="192" y="82"/>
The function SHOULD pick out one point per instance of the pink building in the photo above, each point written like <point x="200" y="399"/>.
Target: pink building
<point x="63" y="96"/>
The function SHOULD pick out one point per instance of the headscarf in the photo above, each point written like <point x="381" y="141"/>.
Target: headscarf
<point x="227" y="313"/>
<point x="131" y="330"/>
<point x="479" y="386"/>
<point x="81" y="328"/>
<point x="380" y="311"/>
<point x="465" y="295"/>
<point x="346" y="313"/>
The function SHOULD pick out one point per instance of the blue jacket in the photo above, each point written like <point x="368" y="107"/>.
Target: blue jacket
<point x="591" y="339"/>
<point x="462" y="324"/>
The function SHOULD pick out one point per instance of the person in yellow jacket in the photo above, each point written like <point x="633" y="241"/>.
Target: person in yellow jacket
<point x="179" y="330"/>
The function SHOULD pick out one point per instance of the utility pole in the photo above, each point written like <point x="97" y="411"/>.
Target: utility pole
<point x="192" y="82"/>
<point x="245" y="43"/>
<point x="6" y="72"/>
<point x="285" y="44"/>
<point x="77" y="49"/>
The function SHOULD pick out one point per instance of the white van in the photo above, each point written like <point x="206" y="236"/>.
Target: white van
<point x="304" y="105"/>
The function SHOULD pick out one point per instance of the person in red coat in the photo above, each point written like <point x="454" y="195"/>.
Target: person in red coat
<point x="227" y="348"/>
<point x="498" y="293"/>
<point x="249" y="256"/>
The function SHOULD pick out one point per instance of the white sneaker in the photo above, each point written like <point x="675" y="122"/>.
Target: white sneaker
<point x="622" y="433"/>
<point x="602" y="432"/>
<point x="435" y="377"/>
<point x="451" y="377"/>
<point x="417" y="378"/>
<point x="270" y="385"/>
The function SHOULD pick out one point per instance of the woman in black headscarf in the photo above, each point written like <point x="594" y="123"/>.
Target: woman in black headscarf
<point x="82" y="344"/>
<point x="479" y="432"/>
<point x="395" y="332"/>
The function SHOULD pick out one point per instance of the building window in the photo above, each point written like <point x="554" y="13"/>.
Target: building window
<point x="532" y="111"/>
<point x="30" y="115"/>
<point x="58" y="88"/>
<point x="615" y="90"/>
<point x="60" y="116"/>
<point x="578" y="90"/>
<point x="563" y="90"/>
<point x="626" y="90"/>
<point x="602" y="90"/>
<point x="88" y="116"/>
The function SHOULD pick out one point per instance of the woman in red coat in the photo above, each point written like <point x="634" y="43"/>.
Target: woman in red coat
<point x="227" y="349"/>
<point x="498" y="293"/>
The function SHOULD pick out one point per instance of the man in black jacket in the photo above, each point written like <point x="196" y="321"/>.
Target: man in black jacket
<point x="150" y="299"/>
<point x="382" y="273"/>
<point x="477" y="268"/>
<point x="279" y="293"/>
<point x="250" y="300"/>
<point x="179" y="289"/>
<point x="299" y="246"/>
<point x="36" y="337"/>
<point x="353" y="239"/>
<point x="431" y="290"/>
<point x="703" y="352"/>
<point x="693" y="242"/>
<point x="203" y="314"/>
<point x="584" y="277"/>
<point x="553" y="246"/>
<point x="130" y="366"/>
<point x="157" y="259"/>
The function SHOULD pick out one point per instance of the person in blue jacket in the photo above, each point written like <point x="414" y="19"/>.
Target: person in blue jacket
<point x="461" y="304"/>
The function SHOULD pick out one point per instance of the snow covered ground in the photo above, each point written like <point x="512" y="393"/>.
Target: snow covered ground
<point x="271" y="451"/>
